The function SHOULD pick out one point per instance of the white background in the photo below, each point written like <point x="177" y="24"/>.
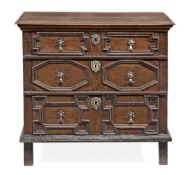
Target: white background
<point x="101" y="158"/>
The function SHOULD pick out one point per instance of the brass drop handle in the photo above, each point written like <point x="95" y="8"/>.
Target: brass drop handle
<point x="130" y="115"/>
<point x="60" y="44"/>
<point x="130" y="43"/>
<point x="60" y="77"/>
<point x="96" y="103"/>
<point x="60" y="116"/>
<point x="130" y="76"/>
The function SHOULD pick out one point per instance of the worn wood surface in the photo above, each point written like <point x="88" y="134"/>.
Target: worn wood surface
<point x="30" y="138"/>
<point x="93" y="18"/>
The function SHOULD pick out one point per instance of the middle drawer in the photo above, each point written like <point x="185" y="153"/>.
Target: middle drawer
<point x="95" y="75"/>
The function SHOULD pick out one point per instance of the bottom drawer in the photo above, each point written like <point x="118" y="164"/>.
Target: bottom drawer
<point x="95" y="115"/>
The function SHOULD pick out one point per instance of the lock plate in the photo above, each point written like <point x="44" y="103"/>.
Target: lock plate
<point x="96" y="103"/>
<point x="95" y="39"/>
<point x="95" y="66"/>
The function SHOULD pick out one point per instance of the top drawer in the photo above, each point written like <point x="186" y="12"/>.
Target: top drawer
<point x="99" y="43"/>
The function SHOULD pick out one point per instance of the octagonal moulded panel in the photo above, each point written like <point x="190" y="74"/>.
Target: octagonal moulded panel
<point x="125" y="75"/>
<point x="60" y="75"/>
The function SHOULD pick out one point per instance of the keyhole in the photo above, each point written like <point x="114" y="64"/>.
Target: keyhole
<point x="95" y="66"/>
<point x="95" y="103"/>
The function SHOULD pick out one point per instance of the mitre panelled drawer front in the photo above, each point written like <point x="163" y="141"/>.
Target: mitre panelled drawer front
<point x="98" y="43"/>
<point x="83" y="115"/>
<point x="97" y="75"/>
<point x="63" y="43"/>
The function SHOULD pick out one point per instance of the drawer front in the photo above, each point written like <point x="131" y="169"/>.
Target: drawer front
<point x="98" y="115"/>
<point x="60" y="75"/>
<point x="61" y="43"/>
<point x="60" y="115"/>
<point x="131" y="43"/>
<point x="127" y="75"/>
<point x="95" y="75"/>
<point x="130" y="114"/>
<point x="99" y="43"/>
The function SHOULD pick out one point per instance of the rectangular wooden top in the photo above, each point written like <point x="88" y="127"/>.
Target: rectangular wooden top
<point x="110" y="19"/>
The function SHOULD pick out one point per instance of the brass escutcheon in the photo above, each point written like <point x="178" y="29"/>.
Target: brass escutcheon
<point x="96" y="103"/>
<point x="95" y="66"/>
<point x="95" y="39"/>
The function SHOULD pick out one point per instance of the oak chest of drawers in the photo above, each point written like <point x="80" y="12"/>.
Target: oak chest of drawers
<point x="95" y="77"/>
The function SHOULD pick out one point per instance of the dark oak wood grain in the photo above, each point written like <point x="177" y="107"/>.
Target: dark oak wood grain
<point x="94" y="18"/>
<point x="67" y="100"/>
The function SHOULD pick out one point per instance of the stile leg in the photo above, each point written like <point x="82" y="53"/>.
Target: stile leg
<point x="28" y="154"/>
<point x="163" y="153"/>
